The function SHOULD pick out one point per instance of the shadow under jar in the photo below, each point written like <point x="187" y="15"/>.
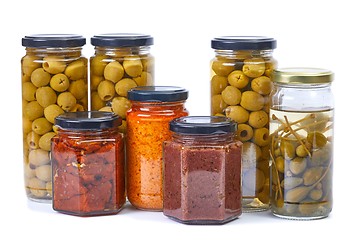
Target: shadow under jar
<point x="54" y="81"/>
<point x="301" y="132"/>
<point x="88" y="164"/>
<point x="202" y="171"/>
<point x="240" y="86"/>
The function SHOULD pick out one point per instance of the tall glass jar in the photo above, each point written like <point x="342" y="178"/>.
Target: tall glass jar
<point x="152" y="108"/>
<point x="301" y="132"/>
<point x="54" y="81"/>
<point x="121" y="62"/>
<point x="240" y="87"/>
<point x="202" y="171"/>
<point x="88" y="164"/>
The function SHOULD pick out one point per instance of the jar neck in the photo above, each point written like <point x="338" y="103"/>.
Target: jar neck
<point x="202" y="139"/>
<point x="243" y="54"/>
<point x="85" y="134"/>
<point x="157" y="106"/>
<point x="115" y="51"/>
<point x="68" y="52"/>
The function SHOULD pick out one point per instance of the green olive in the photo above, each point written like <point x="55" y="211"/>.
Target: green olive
<point x="218" y="84"/>
<point x="238" y="79"/>
<point x="145" y="79"/>
<point x="261" y="85"/>
<point x="252" y="101"/>
<point x="45" y="141"/>
<point x="40" y="78"/>
<point x="26" y="123"/>
<point x="114" y="71"/>
<point x="96" y="101"/>
<point x="133" y="66"/>
<point x="29" y="63"/>
<point x="269" y="67"/>
<point x="76" y="70"/>
<point x="300" y="151"/>
<point x="106" y="90"/>
<point x="258" y="119"/>
<point x="237" y="113"/>
<point x="244" y="132"/>
<point x="97" y="65"/>
<point x="41" y="126"/>
<point x="28" y="91"/>
<point x="124" y="85"/>
<point x="217" y="104"/>
<point x="254" y="67"/>
<point x="33" y="110"/>
<point x="223" y="67"/>
<point x="231" y="95"/>
<point x="45" y="96"/>
<point x="77" y="108"/>
<point x="39" y="157"/>
<point x="52" y="111"/>
<point x="32" y="140"/>
<point x="261" y="136"/>
<point x="95" y="81"/>
<point x="59" y="82"/>
<point x="120" y="106"/>
<point x="54" y="65"/>
<point x="66" y="101"/>
<point x="78" y="89"/>
<point x="106" y="109"/>
<point x="43" y="173"/>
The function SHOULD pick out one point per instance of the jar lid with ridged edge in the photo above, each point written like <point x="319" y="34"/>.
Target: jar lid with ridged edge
<point x="53" y="40"/>
<point x="243" y="43"/>
<point x="298" y="75"/>
<point x="122" y="40"/>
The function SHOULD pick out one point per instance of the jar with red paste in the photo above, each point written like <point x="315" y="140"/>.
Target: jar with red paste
<point x="152" y="108"/>
<point x="87" y="157"/>
<point x="202" y="171"/>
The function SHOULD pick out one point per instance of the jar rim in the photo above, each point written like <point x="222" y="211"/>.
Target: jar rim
<point x="243" y="43"/>
<point x="122" y="40"/>
<point x="53" y="40"/>
<point x="302" y="75"/>
<point x="203" y="125"/>
<point x="158" y="94"/>
<point x="87" y="120"/>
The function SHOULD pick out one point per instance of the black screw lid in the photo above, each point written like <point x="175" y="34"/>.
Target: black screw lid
<point x="53" y="40"/>
<point x="122" y="40"/>
<point x="202" y="125"/>
<point x="85" y="121"/>
<point x="157" y="94"/>
<point x="243" y="43"/>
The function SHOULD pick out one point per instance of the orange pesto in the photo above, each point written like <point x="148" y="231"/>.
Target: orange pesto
<point x="147" y="128"/>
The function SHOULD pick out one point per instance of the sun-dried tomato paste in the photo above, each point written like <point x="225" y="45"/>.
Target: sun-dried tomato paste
<point x="88" y="171"/>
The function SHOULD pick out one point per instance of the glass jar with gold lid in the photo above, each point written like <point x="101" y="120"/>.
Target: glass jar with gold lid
<point x="301" y="143"/>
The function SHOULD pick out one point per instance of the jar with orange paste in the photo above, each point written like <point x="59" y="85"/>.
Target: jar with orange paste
<point x="152" y="109"/>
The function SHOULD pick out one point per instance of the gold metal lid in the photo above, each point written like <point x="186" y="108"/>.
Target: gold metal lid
<point x="302" y="75"/>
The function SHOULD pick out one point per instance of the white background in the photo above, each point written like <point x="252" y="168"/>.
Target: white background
<point x="311" y="33"/>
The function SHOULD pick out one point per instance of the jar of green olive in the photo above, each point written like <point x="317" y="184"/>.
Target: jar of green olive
<point x="54" y="81"/>
<point x="240" y="86"/>
<point x="121" y="62"/>
<point x="301" y="143"/>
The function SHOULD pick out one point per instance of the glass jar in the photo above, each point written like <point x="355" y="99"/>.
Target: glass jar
<point x="152" y="108"/>
<point x="202" y="171"/>
<point x="301" y="132"/>
<point x="88" y="164"/>
<point x="54" y="81"/>
<point x="240" y="87"/>
<point x="122" y="61"/>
